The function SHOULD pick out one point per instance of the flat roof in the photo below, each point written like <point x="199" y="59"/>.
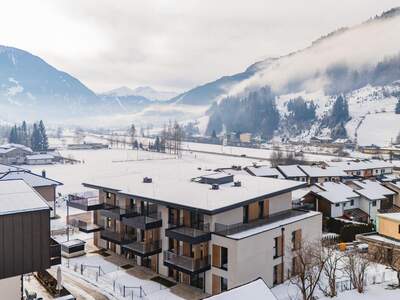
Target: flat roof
<point x="17" y="196"/>
<point x="183" y="192"/>
<point x="264" y="171"/>
<point x="391" y="216"/>
<point x="30" y="178"/>
<point x="254" y="290"/>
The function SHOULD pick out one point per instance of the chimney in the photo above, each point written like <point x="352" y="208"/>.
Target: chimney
<point x="215" y="186"/>
<point x="44" y="173"/>
<point x="237" y="184"/>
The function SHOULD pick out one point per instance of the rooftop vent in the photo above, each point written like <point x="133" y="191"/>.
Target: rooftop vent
<point x="147" y="180"/>
<point x="216" y="178"/>
<point x="237" y="183"/>
<point x="215" y="186"/>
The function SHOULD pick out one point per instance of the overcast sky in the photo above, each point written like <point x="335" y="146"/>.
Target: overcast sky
<point x="170" y="44"/>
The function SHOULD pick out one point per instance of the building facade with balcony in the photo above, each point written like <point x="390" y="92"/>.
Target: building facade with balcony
<point x="214" y="231"/>
<point x="25" y="242"/>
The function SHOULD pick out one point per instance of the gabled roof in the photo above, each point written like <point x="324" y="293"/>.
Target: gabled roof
<point x="372" y="190"/>
<point x="336" y="192"/>
<point x="264" y="171"/>
<point x="40" y="156"/>
<point x="17" y="196"/>
<point x="317" y="171"/>
<point x="32" y="179"/>
<point x="8" y="168"/>
<point x="254" y="290"/>
<point x="16" y="146"/>
<point x="291" y="171"/>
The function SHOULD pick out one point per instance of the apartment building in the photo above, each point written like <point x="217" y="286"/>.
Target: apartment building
<point x="25" y="242"/>
<point x="214" y="231"/>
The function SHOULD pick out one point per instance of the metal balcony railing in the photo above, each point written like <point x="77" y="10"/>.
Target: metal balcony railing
<point x="145" y="248"/>
<point x="187" y="263"/>
<point x="116" y="237"/>
<point x="197" y="234"/>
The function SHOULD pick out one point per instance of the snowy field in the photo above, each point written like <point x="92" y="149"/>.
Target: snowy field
<point x="379" y="129"/>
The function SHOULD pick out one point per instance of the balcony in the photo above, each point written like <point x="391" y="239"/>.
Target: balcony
<point x="144" y="222"/>
<point x="55" y="252"/>
<point x="116" y="237"/>
<point x="190" y="235"/>
<point x="144" y="249"/>
<point x="231" y="229"/>
<point x="88" y="227"/>
<point x="118" y="213"/>
<point x="86" y="203"/>
<point x="186" y="264"/>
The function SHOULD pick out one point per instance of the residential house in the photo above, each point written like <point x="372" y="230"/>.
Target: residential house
<point x="7" y="168"/>
<point x="394" y="186"/>
<point x="46" y="187"/>
<point x="212" y="231"/>
<point x="318" y="174"/>
<point x="245" y="138"/>
<point x="25" y="242"/>
<point x="364" y="168"/>
<point x="39" y="159"/>
<point x="14" y="153"/>
<point x="292" y="172"/>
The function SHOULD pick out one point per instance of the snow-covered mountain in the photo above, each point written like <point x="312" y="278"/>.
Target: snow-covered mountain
<point x="362" y="63"/>
<point x="142" y="91"/>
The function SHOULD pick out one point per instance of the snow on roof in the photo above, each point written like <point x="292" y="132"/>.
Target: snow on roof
<point x="254" y="290"/>
<point x="39" y="156"/>
<point x="381" y="238"/>
<point x="360" y="165"/>
<point x="291" y="171"/>
<point x="317" y="171"/>
<point x="74" y="242"/>
<point x="185" y="192"/>
<point x="17" y="196"/>
<point x="372" y="190"/>
<point x="32" y="179"/>
<point x="336" y="192"/>
<point x="16" y="146"/>
<point x="269" y="226"/>
<point x="391" y="216"/>
<point x="264" y="171"/>
<point x="7" y="168"/>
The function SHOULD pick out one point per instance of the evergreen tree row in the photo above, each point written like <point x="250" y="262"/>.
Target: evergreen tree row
<point x="34" y="137"/>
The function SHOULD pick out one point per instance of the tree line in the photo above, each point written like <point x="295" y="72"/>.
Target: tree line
<point x="33" y="136"/>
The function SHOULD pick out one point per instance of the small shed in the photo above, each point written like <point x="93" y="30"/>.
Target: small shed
<point x="73" y="248"/>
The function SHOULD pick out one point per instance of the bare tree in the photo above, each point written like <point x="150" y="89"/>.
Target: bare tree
<point x="331" y="268"/>
<point x="390" y="257"/>
<point x="356" y="265"/>
<point x="308" y="268"/>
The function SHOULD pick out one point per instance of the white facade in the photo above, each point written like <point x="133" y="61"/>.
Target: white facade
<point x="10" y="288"/>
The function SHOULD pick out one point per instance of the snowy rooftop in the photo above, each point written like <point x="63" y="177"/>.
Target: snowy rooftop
<point x="32" y="179"/>
<point x="17" y="196"/>
<point x="7" y="168"/>
<point x="336" y="192"/>
<point x="291" y="171"/>
<point x="264" y="171"/>
<point x="372" y="190"/>
<point x="316" y="171"/>
<point x="361" y="165"/>
<point x="255" y="290"/>
<point x="15" y="146"/>
<point x="180" y="189"/>
<point x="39" y="156"/>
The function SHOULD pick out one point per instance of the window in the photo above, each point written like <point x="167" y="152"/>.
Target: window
<point x="277" y="277"/>
<point x="224" y="284"/>
<point x="246" y="214"/>
<point x="399" y="228"/>
<point x="278" y="251"/>
<point x="261" y="209"/>
<point x="108" y="195"/>
<point x="358" y="173"/>
<point x="224" y="258"/>
<point x="296" y="239"/>
<point x="351" y="202"/>
<point x="344" y="204"/>
<point x="376" y="171"/>
<point x="326" y="179"/>
<point x="374" y="203"/>
<point x="337" y="204"/>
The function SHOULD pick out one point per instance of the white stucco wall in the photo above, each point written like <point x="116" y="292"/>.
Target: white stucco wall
<point x="10" y="288"/>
